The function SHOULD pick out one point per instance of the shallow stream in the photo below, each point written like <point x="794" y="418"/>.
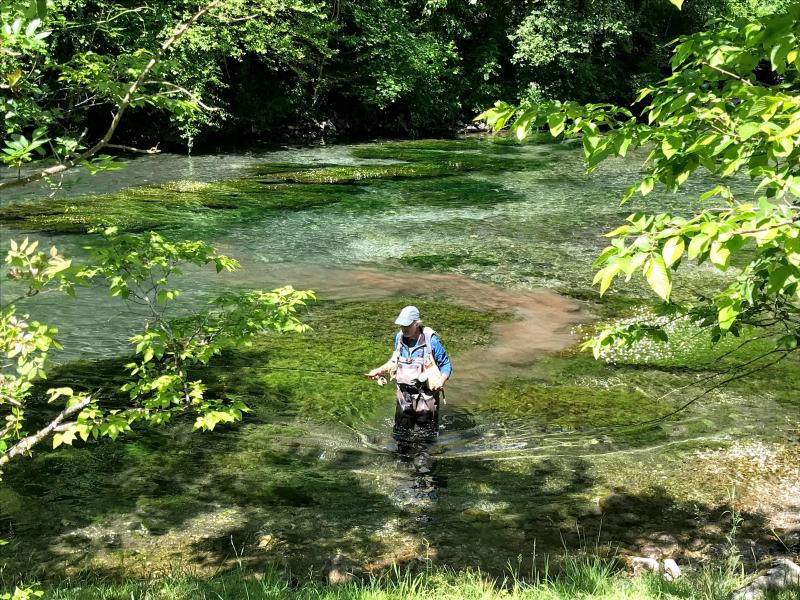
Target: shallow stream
<point x="540" y="447"/>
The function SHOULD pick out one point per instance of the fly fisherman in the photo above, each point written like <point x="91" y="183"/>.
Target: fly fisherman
<point x="420" y="367"/>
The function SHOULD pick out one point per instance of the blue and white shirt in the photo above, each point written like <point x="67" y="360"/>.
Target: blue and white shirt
<point x="417" y="350"/>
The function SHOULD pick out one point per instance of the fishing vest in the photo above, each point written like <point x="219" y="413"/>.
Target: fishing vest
<point x="413" y="369"/>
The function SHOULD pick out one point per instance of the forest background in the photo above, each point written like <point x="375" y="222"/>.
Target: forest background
<point x="274" y="70"/>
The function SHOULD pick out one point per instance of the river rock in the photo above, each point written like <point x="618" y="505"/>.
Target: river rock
<point x="338" y="577"/>
<point x="640" y="564"/>
<point x="783" y="575"/>
<point x="267" y="541"/>
<point x="340" y="570"/>
<point x="671" y="570"/>
<point x="627" y="518"/>
<point x="473" y="514"/>
<point x="508" y="521"/>
<point x="697" y="544"/>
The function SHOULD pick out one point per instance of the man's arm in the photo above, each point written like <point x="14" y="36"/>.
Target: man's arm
<point x="387" y="366"/>
<point x="378" y="371"/>
<point x="442" y="361"/>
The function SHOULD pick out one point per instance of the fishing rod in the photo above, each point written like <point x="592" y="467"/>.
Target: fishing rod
<point x="381" y="380"/>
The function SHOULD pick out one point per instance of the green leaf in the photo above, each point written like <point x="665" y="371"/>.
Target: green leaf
<point x="719" y="255"/>
<point x="658" y="277"/>
<point x="670" y="145"/>
<point x="778" y="278"/>
<point x="748" y="130"/>
<point x="622" y="143"/>
<point x="727" y="315"/>
<point x="673" y="250"/>
<point x="792" y="129"/>
<point x="697" y="245"/>
<point x="555" y="122"/>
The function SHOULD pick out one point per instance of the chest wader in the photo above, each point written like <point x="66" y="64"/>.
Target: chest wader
<point x="416" y="404"/>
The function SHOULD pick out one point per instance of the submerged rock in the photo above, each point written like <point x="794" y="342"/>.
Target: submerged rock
<point x="473" y="514"/>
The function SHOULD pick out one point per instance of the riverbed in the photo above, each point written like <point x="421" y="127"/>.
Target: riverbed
<point x="540" y="448"/>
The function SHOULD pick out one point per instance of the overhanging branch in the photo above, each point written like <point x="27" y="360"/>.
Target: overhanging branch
<point x="121" y="108"/>
<point x="25" y="444"/>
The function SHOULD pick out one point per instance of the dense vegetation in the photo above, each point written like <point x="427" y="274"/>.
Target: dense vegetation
<point x="729" y="107"/>
<point x="270" y="69"/>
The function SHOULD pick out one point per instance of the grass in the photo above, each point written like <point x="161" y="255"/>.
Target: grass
<point x="586" y="577"/>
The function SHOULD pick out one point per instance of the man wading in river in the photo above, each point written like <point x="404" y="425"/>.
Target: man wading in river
<point x="420" y="367"/>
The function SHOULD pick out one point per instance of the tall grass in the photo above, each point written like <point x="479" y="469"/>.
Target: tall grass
<point x="581" y="577"/>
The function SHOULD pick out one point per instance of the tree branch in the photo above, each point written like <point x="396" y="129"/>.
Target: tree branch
<point x="186" y="92"/>
<point x="154" y="150"/>
<point x="122" y="107"/>
<point x="728" y="73"/>
<point x="25" y="444"/>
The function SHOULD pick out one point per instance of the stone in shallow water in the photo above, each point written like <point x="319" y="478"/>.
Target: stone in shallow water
<point x="473" y="514"/>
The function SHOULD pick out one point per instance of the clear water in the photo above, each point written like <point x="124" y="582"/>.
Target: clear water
<point x="506" y="235"/>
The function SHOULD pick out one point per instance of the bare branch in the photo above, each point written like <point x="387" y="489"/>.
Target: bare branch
<point x="154" y="150"/>
<point x="728" y="73"/>
<point x="25" y="444"/>
<point x="183" y="90"/>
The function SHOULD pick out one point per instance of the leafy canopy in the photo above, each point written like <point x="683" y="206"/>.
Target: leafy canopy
<point x="731" y="106"/>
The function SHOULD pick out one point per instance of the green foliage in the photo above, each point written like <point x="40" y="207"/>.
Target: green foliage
<point x="64" y="61"/>
<point x="257" y="66"/>
<point x="19" y="593"/>
<point x="730" y="106"/>
<point x="138" y="269"/>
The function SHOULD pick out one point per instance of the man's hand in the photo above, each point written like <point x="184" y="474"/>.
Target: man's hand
<point x="375" y="373"/>
<point x="439" y="384"/>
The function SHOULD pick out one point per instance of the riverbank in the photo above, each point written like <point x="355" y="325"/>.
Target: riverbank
<point x="586" y="577"/>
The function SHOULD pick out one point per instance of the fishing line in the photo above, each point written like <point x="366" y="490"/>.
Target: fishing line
<point x="299" y="369"/>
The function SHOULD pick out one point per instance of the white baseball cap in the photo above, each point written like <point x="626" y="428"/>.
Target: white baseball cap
<point x="407" y="316"/>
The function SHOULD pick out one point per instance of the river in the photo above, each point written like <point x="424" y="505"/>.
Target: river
<point x="539" y="446"/>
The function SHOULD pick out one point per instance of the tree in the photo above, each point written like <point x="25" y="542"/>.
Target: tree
<point x="64" y="66"/>
<point x="730" y="106"/>
<point x="138" y="270"/>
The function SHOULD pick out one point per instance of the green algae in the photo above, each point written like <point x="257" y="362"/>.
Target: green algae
<point x="271" y="186"/>
<point x="318" y="375"/>
<point x="571" y="406"/>
<point x="452" y="162"/>
<point x="357" y="174"/>
<point x="174" y="205"/>
<point x="444" y="262"/>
